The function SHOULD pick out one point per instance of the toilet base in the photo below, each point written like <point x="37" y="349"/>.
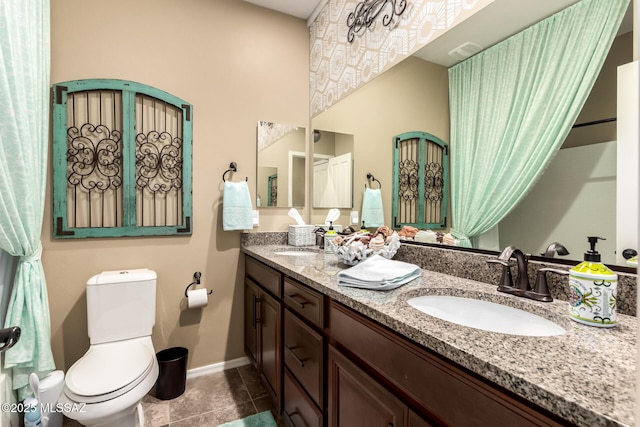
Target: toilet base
<point x="133" y="417"/>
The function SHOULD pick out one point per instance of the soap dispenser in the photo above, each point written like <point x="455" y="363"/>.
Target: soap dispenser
<point x="329" y="236"/>
<point x="592" y="290"/>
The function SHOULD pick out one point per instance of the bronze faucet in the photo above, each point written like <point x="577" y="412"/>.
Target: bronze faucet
<point x="522" y="288"/>
<point x="555" y="248"/>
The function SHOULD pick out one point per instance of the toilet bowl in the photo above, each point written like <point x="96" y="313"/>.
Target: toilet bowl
<point x="50" y="388"/>
<point x="104" y="387"/>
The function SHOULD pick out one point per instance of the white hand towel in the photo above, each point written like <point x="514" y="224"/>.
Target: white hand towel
<point x="372" y="214"/>
<point x="379" y="273"/>
<point x="236" y="206"/>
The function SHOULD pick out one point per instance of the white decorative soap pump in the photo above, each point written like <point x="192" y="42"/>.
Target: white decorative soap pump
<point x="592" y="290"/>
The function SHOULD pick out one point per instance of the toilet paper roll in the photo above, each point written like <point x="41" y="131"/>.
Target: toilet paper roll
<point x="197" y="298"/>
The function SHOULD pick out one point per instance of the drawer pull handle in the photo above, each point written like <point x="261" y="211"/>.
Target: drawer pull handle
<point x="290" y="416"/>
<point x="299" y="300"/>
<point x="295" y="356"/>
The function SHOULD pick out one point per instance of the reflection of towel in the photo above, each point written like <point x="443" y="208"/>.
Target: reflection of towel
<point x="236" y="206"/>
<point x="372" y="208"/>
<point x="379" y="273"/>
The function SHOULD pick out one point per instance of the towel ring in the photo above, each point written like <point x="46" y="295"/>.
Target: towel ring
<point x="233" y="167"/>
<point x="373" y="178"/>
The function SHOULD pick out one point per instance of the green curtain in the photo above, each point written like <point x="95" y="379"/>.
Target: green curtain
<point x="513" y="105"/>
<point x="24" y="135"/>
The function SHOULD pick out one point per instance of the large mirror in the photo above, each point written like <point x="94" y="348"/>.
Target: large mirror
<point x="413" y="96"/>
<point x="281" y="165"/>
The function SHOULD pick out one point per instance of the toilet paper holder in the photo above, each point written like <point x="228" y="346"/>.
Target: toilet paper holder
<point x="196" y="281"/>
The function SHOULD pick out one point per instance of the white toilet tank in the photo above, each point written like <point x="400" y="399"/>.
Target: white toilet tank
<point x="121" y="305"/>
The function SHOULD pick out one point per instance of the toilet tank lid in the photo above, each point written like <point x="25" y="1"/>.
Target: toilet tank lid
<point x="121" y="276"/>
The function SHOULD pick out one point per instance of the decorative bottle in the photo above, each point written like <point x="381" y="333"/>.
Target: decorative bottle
<point x="592" y="290"/>
<point x="328" y="237"/>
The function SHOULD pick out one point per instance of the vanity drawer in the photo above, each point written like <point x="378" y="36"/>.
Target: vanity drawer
<point x="303" y="355"/>
<point x="299" y="410"/>
<point x="436" y="384"/>
<point x="304" y="301"/>
<point x="265" y="276"/>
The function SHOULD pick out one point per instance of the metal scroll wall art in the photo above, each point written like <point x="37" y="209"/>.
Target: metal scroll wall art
<point x="121" y="160"/>
<point x="367" y="11"/>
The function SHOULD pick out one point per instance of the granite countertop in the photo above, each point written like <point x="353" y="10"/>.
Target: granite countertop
<point x="586" y="376"/>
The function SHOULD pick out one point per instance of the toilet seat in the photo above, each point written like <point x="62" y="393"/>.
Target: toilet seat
<point x="109" y="370"/>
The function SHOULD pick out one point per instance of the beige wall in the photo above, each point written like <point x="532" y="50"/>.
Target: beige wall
<point x="236" y="63"/>
<point x="411" y="96"/>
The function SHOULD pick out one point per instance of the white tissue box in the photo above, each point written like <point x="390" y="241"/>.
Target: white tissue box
<point x="302" y="235"/>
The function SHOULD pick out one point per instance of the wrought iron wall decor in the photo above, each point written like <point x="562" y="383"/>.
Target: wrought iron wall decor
<point x="122" y="160"/>
<point x="367" y="11"/>
<point x="420" y="181"/>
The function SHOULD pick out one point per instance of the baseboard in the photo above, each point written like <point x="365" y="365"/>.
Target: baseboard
<point x="217" y="367"/>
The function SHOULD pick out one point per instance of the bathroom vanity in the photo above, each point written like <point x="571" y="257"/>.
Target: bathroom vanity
<point x="337" y="356"/>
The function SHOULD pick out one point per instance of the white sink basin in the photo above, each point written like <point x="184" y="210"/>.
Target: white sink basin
<point x="486" y="315"/>
<point x="295" y="253"/>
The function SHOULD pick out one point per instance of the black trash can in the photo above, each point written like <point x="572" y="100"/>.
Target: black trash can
<point x="172" y="375"/>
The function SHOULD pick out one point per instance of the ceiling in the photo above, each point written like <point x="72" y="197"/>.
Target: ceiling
<point x="496" y="22"/>
<point x="489" y="26"/>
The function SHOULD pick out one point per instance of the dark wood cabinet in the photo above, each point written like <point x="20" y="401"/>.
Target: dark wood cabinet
<point x="263" y="325"/>
<point x="356" y="400"/>
<point x="442" y="391"/>
<point x="299" y="409"/>
<point x="271" y="345"/>
<point x="251" y="298"/>
<point x="327" y="365"/>
<point x="303" y="355"/>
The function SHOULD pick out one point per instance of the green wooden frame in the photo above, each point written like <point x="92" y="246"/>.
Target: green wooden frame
<point x="129" y="228"/>
<point x="270" y="179"/>
<point x="424" y="139"/>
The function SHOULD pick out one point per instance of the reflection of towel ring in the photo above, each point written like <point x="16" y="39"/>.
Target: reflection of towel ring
<point x="371" y="177"/>
<point x="233" y="167"/>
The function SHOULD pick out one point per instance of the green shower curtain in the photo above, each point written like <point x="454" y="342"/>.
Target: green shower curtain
<point x="24" y="121"/>
<point x="513" y="105"/>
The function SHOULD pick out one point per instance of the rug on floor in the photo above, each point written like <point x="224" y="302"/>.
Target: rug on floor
<point x="263" y="419"/>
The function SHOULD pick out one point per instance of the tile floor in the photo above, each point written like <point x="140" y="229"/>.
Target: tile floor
<point x="209" y="401"/>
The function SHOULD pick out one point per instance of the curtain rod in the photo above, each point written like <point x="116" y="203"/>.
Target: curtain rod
<point x="595" y="122"/>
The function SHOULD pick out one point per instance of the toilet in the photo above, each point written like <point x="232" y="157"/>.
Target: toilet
<point x="105" y="386"/>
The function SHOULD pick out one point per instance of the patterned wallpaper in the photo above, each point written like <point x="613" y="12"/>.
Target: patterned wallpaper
<point x="338" y="67"/>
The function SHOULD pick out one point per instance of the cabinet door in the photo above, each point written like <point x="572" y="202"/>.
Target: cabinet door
<point x="270" y="339"/>
<point x="356" y="400"/>
<point x="251" y="299"/>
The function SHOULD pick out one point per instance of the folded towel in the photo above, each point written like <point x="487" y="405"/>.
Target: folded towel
<point x="236" y="206"/>
<point x="379" y="273"/>
<point x="372" y="214"/>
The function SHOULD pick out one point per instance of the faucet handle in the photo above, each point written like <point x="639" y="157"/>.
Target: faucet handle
<point x="541" y="288"/>
<point x="507" y="280"/>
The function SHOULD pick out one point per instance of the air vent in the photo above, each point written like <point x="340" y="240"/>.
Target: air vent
<point x="464" y="51"/>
